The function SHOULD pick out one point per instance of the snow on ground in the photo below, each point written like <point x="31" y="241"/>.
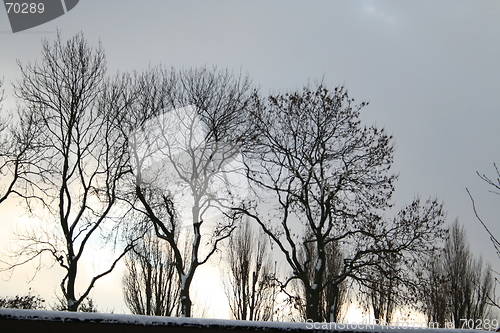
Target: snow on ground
<point x="217" y="323"/>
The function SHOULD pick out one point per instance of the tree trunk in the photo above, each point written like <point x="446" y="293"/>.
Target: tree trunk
<point x="70" y="289"/>
<point x="185" y="303"/>
<point x="335" y="304"/>
<point x="312" y="304"/>
<point x="148" y="289"/>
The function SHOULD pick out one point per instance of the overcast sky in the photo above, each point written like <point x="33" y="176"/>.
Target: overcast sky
<point x="430" y="70"/>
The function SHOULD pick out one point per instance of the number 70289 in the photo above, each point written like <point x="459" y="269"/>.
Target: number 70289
<point x="25" y="8"/>
<point x="479" y="324"/>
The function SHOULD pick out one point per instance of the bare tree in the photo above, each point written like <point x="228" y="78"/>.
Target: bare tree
<point x="434" y="295"/>
<point x="19" y="155"/>
<point x="470" y="284"/>
<point x="6" y="159"/>
<point x="250" y="280"/>
<point x="187" y="127"/>
<point x="494" y="184"/>
<point x="403" y="278"/>
<point x="150" y="284"/>
<point x="330" y="175"/>
<point x="382" y="291"/>
<point x="72" y="106"/>
<point x="456" y="286"/>
<point x="333" y="298"/>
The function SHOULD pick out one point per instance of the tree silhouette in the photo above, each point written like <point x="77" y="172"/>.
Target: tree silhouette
<point x="150" y="285"/>
<point x="250" y="280"/>
<point x="186" y="128"/>
<point x="70" y="104"/>
<point x="330" y="175"/>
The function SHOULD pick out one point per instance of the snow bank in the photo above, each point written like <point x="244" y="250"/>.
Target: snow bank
<point x="221" y="324"/>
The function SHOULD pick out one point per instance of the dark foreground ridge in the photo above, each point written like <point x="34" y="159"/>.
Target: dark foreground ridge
<point x="56" y="321"/>
<point x="36" y="321"/>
